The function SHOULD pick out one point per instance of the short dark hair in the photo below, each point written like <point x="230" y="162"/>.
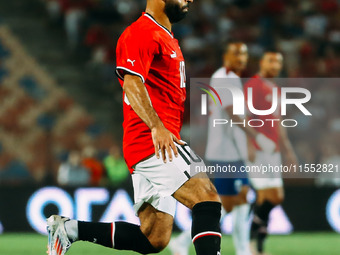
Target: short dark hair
<point x="271" y="51"/>
<point x="230" y="42"/>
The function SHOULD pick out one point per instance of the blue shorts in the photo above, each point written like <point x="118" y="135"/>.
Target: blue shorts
<point x="231" y="183"/>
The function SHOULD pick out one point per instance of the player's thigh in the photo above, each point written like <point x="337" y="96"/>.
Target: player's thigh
<point x="260" y="178"/>
<point x="275" y="195"/>
<point x="228" y="202"/>
<point x="155" y="225"/>
<point x="196" y="190"/>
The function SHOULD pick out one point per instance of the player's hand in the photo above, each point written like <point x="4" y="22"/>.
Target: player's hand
<point x="251" y="152"/>
<point x="265" y="143"/>
<point x="163" y="141"/>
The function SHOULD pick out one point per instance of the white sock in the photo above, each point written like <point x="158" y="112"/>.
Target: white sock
<point x="240" y="218"/>
<point x="235" y="229"/>
<point x="71" y="227"/>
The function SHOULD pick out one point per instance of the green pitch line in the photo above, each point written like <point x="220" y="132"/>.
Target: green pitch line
<point x="296" y="244"/>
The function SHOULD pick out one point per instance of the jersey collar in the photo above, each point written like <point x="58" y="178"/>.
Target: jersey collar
<point x="228" y="71"/>
<point x="161" y="26"/>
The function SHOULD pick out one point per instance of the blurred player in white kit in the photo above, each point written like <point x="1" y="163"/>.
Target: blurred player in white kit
<point x="227" y="147"/>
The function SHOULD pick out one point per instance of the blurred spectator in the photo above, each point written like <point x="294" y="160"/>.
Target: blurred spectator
<point x="96" y="36"/>
<point x="315" y="25"/>
<point x="54" y="10"/>
<point x="93" y="165"/>
<point x="98" y="40"/>
<point x="72" y="173"/>
<point x="304" y="27"/>
<point x="15" y="172"/>
<point x="75" y="13"/>
<point x="115" y="166"/>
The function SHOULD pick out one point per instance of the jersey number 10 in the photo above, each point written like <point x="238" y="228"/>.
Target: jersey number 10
<point x="182" y="74"/>
<point x="187" y="154"/>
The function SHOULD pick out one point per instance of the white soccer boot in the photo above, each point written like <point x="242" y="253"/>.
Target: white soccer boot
<point x="58" y="242"/>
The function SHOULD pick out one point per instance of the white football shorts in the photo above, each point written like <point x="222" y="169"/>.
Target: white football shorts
<point x="270" y="179"/>
<point x="154" y="181"/>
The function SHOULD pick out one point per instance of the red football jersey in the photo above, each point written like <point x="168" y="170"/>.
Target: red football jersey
<point x="150" y="51"/>
<point x="262" y="100"/>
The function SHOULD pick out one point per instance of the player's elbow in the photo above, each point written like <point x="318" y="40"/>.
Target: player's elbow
<point x="130" y="80"/>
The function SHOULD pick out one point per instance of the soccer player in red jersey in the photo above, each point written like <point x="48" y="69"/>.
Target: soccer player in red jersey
<point x="150" y="66"/>
<point x="269" y="188"/>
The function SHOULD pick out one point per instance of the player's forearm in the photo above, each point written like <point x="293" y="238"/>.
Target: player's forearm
<point x="286" y="146"/>
<point x="140" y="102"/>
<point x="284" y="142"/>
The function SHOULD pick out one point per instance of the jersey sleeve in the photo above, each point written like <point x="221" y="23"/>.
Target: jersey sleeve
<point x="134" y="54"/>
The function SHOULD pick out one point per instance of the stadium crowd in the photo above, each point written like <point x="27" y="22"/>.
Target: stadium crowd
<point x="306" y="31"/>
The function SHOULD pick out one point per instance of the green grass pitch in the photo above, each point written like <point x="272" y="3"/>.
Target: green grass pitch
<point x="295" y="244"/>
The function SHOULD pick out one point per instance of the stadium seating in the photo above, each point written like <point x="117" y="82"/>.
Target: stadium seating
<point x="39" y="122"/>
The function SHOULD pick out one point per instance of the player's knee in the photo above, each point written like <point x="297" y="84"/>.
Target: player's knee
<point x="279" y="197"/>
<point x="205" y="192"/>
<point x="228" y="207"/>
<point x="159" y="243"/>
<point x="208" y="196"/>
<point x="196" y="190"/>
<point x="211" y="193"/>
<point x="276" y="200"/>
<point x="212" y="196"/>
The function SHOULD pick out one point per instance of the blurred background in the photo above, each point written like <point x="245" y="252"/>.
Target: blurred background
<point x="61" y="103"/>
